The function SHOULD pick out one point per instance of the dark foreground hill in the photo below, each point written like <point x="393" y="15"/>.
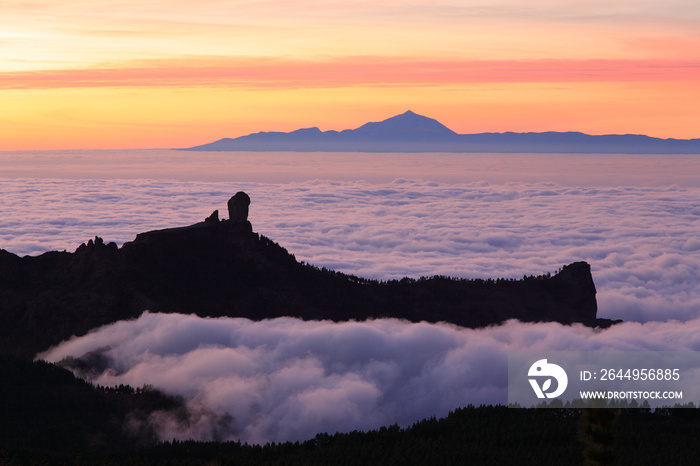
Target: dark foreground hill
<point x="222" y="268"/>
<point x="48" y="416"/>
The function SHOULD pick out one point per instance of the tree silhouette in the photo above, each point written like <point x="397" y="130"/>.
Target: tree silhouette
<point x="596" y="433"/>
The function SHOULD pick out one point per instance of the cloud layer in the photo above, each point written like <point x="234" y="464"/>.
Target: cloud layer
<point x="286" y="379"/>
<point x="634" y="219"/>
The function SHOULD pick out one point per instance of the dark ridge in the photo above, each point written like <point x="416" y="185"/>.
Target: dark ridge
<point x="222" y="268"/>
<point x="484" y="435"/>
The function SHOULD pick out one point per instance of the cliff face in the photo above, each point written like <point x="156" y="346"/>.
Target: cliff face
<point x="223" y="268"/>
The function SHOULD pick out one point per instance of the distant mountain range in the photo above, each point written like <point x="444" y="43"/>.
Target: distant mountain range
<point x="410" y="132"/>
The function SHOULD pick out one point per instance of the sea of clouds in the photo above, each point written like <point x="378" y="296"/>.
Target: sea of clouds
<point x="641" y="241"/>
<point x="286" y="379"/>
<point x="635" y="219"/>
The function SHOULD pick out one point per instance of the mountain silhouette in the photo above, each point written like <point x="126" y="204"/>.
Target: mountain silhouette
<point x="223" y="268"/>
<point x="407" y="126"/>
<point x="410" y="132"/>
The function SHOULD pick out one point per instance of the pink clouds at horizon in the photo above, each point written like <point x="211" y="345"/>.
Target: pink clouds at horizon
<point x="169" y="74"/>
<point x="265" y="72"/>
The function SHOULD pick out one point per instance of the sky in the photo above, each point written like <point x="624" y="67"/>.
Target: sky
<point x="79" y="74"/>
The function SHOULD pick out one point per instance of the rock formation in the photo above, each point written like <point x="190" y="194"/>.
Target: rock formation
<point x="213" y="218"/>
<point x="225" y="269"/>
<point x="238" y="207"/>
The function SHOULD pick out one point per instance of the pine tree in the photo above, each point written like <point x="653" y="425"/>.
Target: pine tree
<point x="597" y="434"/>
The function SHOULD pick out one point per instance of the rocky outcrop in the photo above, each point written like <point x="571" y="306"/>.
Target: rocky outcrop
<point x="213" y="218"/>
<point x="225" y="269"/>
<point x="238" y="207"/>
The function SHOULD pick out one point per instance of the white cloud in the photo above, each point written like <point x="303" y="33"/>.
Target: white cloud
<point x="287" y="379"/>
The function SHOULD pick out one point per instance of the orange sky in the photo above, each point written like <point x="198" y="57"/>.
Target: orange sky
<point x="173" y="73"/>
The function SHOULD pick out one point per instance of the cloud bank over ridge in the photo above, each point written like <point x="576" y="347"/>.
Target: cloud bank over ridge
<point x="641" y="241"/>
<point x="287" y="379"/>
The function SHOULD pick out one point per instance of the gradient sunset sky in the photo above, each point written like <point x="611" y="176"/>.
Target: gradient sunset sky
<point x="79" y="74"/>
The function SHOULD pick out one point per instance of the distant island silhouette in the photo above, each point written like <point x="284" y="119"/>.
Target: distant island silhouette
<point x="223" y="268"/>
<point x="410" y="132"/>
